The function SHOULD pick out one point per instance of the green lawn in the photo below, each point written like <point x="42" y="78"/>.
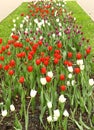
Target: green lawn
<point x="84" y="20"/>
<point x="7" y="24"/>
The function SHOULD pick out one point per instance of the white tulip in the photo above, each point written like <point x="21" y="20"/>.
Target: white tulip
<point x="14" y="20"/>
<point x="70" y="76"/>
<point x="49" y="119"/>
<point x="62" y="99"/>
<point x="70" y="69"/>
<point x="43" y="81"/>
<point x="57" y="20"/>
<point x="91" y="82"/>
<point x="4" y="113"/>
<point x="73" y="82"/>
<point x="65" y="113"/>
<point x="49" y="104"/>
<point x="55" y="118"/>
<point x="56" y="113"/>
<point x="80" y="62"/>
<point x="33" y="93"/>
<point x="82" y="67"/>
<point x="21" y="25"/>
<point x="53" y="35"/>
<point x="50" y="74"/>
<point x="68" y="83"/>
<point x="12" y="107"/>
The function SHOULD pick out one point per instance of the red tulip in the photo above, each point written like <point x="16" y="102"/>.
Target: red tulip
<point x="43" y="70"/>
<point x="21" y="80"/>
<point x="56" y="61"/>
<point x="48" y="79"/>
<point x="62" y="77"/>
<point x="69" y="54"/>
<point x="1" y="40"/>
<point x="78" y="55"/>
<point x="30" y="68"/>
<point x="11" y="72"/>
<point x="6" y="67"/>
<point x="88" y="50"/>
<point x="59" y="45"/>
<point x="50" y="48"/>
<point x="38" y="61"/>
<point x="15" y="37"/>
<point x="63" y="87"/>
<point x="2" y="58"/>
<point x="12" y="63"/>
<point x="77" y="70"/>
<point x="1" y="66"/>
<point x="40" y="42"/>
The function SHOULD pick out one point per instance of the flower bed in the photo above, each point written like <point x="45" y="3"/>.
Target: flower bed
<point x="46" y="82"/>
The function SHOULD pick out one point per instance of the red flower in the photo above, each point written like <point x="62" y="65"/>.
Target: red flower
<point x="77" y="70"/>
<point x="38" y="61"/>
<point x="48" y="79"/>
<point x="46" y="62"/>
<point x="59" y="45"/>
<point x="63" y="87"/>
<point x="30" y="57"/>
<point x="62" y="77"/>
<point x="56" y="61"/>
<point x="9" y="53"/>
<point x="30" y="68"/>
<point x="12" y="63"/>
<point x="88" y="50"/>
<point x="21" y="80"/>
<point x="40" y="42"/>
<point x="3" y="48"/>
<point x="43" y="70"/>
<point x="1" y="40"/>
<point x="0" y="66"/>
<point x="78" y="55"/>
<point x="69" y="54"/>
<point x="15" y="37"/>
<point x="6" y="67"/>
<point x="11" y="72"/>
<point x="2" y="58"/>
<point x="50" y="48"/>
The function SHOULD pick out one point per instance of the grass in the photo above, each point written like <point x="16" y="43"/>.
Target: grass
<point x="7" y="24"/>
<point x="84" y="20"/>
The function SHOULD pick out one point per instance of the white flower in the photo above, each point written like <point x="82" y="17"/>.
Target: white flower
<point x="12" y="107"/>
<point x="49" y="104"/>
<point x="91" y="82"/>
<point x="49" y="24"/>
<point x="56" y="113"/>
<point x="21" y="25"/>
<point x="73" y="82"/>
<point x="13" y="29"/>
<point x="49" y="119"/>
<point x="50" y="74"/>
<point x="62" y="99"/>
<point x="80" y="62"/>
<point x="70" y="76"/>
<point x="14" y="20"/>
<point x="53" y="35"/>
<point x="36" y="20"/>
<point x="65" y="113"/>
<point x="57" y="20"/>
<point x="82" y="67"/>
<point x="68" y="83"/>
<point x="33" y="93"/>
<point x="70" y="69"/>
<point x="17" y="18"/>
<point x="43" y="81"/>
<point x="41" y="37"/>
<point x="60" y="24"/>
<point x="55" y="118"/>
<point x="4" y="113"/>
<point x="60" y="34"/>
